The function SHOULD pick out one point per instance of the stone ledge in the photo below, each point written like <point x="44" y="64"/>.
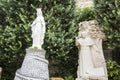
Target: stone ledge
<point x="32" y="50"/>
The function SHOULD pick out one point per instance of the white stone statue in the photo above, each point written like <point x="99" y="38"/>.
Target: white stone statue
<point x="38" y="30"/>
<point x="35" y="66"/>
<point x="91" y="60"/>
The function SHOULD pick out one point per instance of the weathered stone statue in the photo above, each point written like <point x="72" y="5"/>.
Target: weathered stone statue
<point x="38" y="30"/>
<point x="91" y="59"/>
<point x="35" y="66"/>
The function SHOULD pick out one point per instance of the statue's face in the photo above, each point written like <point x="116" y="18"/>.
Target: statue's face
<point x="84" y="34"/>
<point x="39" y="12"/>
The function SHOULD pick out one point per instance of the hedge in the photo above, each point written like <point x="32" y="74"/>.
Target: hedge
<point x="107" y="12"/>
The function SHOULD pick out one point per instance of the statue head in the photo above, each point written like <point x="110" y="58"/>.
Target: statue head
<point x="91" y="28"/>
<point x="39" y="11"/>
<point x="95" y="30"/>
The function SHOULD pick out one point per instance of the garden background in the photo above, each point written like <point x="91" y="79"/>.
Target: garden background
<point x="62" y="18"/>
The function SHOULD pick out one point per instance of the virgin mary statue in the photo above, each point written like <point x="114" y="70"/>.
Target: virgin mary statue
<point x="38" y="30"/>
<point x="91" y="60"/>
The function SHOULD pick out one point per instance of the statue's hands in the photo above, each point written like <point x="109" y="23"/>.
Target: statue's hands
<point x="32" y="25"/>
<point x="77" y="44"/>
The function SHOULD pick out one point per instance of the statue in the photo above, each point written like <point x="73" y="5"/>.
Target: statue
<point x="35" y="66"/>
<point x="38" y="30"/>
<point x="91" y="60"/>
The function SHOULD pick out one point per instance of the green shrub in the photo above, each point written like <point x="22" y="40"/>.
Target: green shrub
<point x="84" y="14"/>
<point x="69" y="78"/>
<point x="107" y="12"/>
<point x="113" y="70"/>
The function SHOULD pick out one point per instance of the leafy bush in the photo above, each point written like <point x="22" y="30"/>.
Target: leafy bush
<point x="14" y="38"/>
<point x="113" y="70"/>
<point x="107" y="12"/>
<point x="84" y="14"/>
<point x="69" y="78"/>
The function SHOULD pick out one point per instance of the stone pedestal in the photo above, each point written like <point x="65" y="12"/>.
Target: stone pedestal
<point x="34" y="67"/>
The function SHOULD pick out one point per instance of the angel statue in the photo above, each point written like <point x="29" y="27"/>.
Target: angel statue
<point x="91" y="61"/>
<point x="38" y="30"/>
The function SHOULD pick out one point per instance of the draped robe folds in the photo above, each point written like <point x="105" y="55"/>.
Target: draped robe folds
<point x="91" y="59"/>
<point x="38" y="32"/>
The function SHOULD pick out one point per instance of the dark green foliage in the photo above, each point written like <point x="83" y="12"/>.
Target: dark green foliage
<point x="108" y="15"/>
<point x="14" y="38"/>
<point x="113" y="70"/>
<point x="69" y="78"/>
<point x="116" y="55"/>
<point x="85" y="14"/>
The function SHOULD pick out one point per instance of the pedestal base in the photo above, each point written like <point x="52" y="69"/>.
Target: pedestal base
<point x="23" y="77"/>
<point x="93" y="78"/>
<point x="34" y="67"/>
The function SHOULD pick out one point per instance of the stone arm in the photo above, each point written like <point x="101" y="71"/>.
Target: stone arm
<point x="39" y="19"/>
<point x="34" y="22"/>
<point x="77" y="43"/>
